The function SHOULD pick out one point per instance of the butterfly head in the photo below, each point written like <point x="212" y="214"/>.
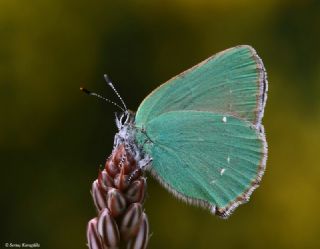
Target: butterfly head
<point x="125" y="125"/>
<point x="126" y="119"/>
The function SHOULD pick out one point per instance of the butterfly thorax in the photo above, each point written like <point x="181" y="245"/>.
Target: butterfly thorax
<point x="127" y="136"/>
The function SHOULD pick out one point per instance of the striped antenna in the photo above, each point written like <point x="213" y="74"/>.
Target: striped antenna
<point x="100" y="97"/>
<point x="115" y="90"/>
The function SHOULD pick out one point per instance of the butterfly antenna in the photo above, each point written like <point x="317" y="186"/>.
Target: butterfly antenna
<point x="115" y="90"/>
<point x="100" y="97"/>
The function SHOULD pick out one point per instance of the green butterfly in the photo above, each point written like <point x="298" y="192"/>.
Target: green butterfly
<point x="200" y="133"/>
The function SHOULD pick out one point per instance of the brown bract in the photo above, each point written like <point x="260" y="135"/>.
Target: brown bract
<point x="118" y="196"/>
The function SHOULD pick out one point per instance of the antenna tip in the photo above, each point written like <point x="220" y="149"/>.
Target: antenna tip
<point x="106" y="78"/>
<point x="84" y="90"/>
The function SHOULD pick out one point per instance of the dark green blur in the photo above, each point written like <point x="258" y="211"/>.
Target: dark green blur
<point x="53" y="138"/>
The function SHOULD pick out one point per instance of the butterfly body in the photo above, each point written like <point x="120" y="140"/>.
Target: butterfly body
<point x="200" y="133"/>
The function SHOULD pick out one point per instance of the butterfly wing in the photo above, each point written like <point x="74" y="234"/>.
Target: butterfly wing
<point x="232" y="82"/>
<point x="208" y="159"/>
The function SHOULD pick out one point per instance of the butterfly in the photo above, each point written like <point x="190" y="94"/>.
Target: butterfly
<point x="200" y="133"/>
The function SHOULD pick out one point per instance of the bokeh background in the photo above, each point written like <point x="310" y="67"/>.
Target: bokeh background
<point x="53" y="138"/>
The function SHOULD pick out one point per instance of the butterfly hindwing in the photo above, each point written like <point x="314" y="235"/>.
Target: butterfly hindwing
<point x="232" y="82"/>
<point x="209" y="159"/>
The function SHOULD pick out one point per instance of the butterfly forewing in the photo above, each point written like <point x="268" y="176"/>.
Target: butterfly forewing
<point x="232" y="82"/>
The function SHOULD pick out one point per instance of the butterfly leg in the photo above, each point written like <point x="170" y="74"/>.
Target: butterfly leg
<point x="145" y="162"/>
<point x="142" y="165"/>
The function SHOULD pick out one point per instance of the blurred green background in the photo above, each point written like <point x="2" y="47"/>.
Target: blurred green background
<point x="53" y="137"/>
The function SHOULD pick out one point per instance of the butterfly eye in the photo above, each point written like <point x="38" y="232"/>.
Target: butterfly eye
<point x="121" y="120"/>
<point x="124" y="118"/>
